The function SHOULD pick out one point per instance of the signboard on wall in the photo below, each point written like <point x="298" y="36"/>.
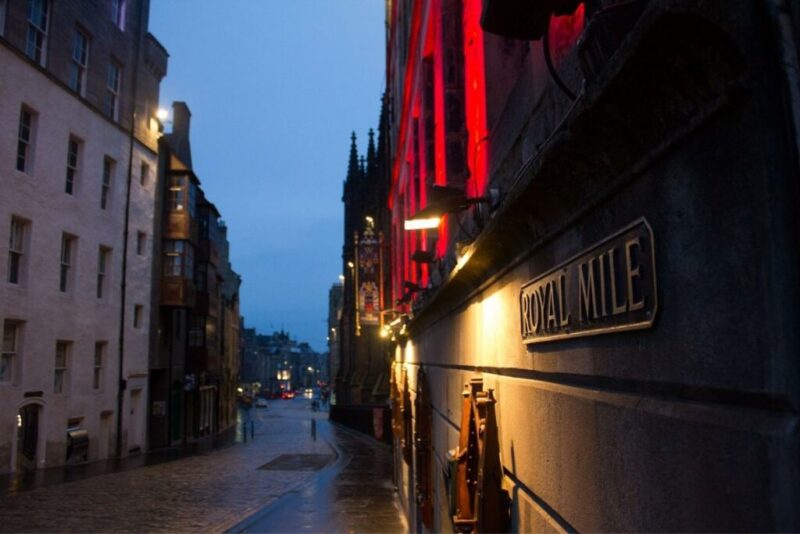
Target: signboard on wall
<point x="610" y="287"/>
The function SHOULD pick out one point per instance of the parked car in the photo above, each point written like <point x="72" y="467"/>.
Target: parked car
<point x="261" y="403"/>
<point x="287" y="395"/>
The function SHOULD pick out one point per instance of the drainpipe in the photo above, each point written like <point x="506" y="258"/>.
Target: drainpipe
<point x="121" y="382"/>
<point x="778" y="12"/>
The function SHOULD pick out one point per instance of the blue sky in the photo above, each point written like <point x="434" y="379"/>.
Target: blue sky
<point x="275" y="88"/>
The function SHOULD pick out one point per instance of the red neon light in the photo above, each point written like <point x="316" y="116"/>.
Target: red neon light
<point x="564" y="32"/>
<point x="408" y="89"/>
<point x="475" y="97"/>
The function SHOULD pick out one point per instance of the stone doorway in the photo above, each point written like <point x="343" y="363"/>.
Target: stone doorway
<point x="27" y="436"/>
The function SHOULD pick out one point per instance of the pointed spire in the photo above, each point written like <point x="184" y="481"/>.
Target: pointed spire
<point x="353" y="169"/>
<point x="371" y="148"/>
<point x="362" y="163"/>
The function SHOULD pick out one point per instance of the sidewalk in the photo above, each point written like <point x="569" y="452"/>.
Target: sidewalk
<point x="208" y="492"/>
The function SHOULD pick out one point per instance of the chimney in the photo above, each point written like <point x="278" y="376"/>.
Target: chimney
<point x="181" y="120"/>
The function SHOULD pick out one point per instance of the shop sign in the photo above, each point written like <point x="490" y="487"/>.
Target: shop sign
<point x="610" y="287"/>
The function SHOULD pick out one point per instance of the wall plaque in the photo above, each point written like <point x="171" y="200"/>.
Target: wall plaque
<point x="610" y="287"/>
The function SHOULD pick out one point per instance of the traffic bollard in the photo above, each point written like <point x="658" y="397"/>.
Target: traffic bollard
<point x="253" y="430"/>
<point x="244" y="430"/>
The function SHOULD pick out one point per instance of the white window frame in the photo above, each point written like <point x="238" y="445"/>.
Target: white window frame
<point x="61" y="368"/>
<point x="25" y="136"/>
<point x="73" y="159"/>
<point x="68" y="243"/>
<point x="98" y="374"/>
<point x="118" y="8"/>
<point x="16" y="250"/>
<point x="37" y="30"/>
<point x="113" y="84"/>
<point x="80" y="62"/>
<point x="103" y="259"/>
<point x="9" y="352"/>
<point x="109" y="167"/>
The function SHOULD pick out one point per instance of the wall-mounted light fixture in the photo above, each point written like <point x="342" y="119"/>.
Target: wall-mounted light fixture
<point x="444" y="199"/>
<point x="522" y="20"/>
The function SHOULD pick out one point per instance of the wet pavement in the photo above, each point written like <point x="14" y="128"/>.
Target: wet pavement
<point x="300" y="473"/>
<point x="354" y="494"/>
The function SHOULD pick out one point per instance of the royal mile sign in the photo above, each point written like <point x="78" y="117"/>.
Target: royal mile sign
<point x="610" y="287"/>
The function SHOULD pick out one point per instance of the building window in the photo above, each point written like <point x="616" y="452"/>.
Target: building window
<point x="108" y="171"/>
<point x="61" y="381"/>
<point x="25" y="140"/>
<point x="10" y="352"/>
<point x="201" y="276"/>
<point x="174" y="255"/>
<point x="197" y="331"/>
<point x="112" y="91"/>
<point x="16" y="249"/>
<point x="80" y="59"/>
<point x="99" y="357"/>
<point x="176" y="195"/>
<point x="203" y="231"/>
<point x="36" y="44"/>
<point x="138" y="311"/>
<point x="2" y="17"/>
<point x="118" y="13"/>
<point x="73" y="150"/>
<point x="141" y="243"/>
<point x="144" y="175"/>
<point x="102" y="264"/>
<point x="67" y="253"/>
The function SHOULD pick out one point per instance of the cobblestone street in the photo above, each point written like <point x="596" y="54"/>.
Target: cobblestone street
<point x="209" y="492"/>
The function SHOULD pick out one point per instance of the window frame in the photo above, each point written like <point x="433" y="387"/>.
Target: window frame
<point x="109" y="168"/>
<point x="144" y="174"/>
<point x="141" y="243"/>
<point x="103" y="259"/>
<point x="98" y="371"/>
<point x="176" y="192"/>
<point x="196" y="331"/>
<point x="80" y="64"/>
<point x="11" y="354"/>
<point x="16" y="250"/>
<point x="3" y="8"/>
<point x="73" y="164"/>
<point x="138" y="312"/>
<point x="118" y="9"/>
<point x="178" y="259"/>
<point x="113" y="85"/>
<point x="68" y="245"/>
<point x="25" y="137"/>
<point x="61" y="373"/>
<point x="38" y="31"/>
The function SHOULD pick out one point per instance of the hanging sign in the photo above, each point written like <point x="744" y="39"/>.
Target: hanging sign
<point x="610" y="287"/>
<point x="368" y="277"/>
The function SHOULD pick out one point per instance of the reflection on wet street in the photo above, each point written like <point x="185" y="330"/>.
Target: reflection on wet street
<point x="291" y="475"/>
<point x="354" y="494"/>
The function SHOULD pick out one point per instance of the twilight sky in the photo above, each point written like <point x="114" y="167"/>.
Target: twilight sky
<point x="275" y="88"/>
